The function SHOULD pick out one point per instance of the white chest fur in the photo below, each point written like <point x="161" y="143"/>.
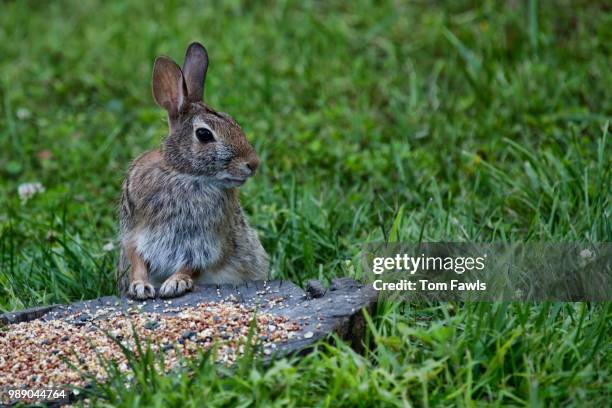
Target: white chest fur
<point x="191" y="230"/>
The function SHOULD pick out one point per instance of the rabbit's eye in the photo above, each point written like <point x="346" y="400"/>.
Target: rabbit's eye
<point x="204" y="135"/>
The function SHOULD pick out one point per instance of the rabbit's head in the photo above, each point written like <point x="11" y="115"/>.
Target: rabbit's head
<point x="202" y="142"/>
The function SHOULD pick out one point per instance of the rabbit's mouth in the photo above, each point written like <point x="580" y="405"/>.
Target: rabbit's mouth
<point x="233" y="181"/>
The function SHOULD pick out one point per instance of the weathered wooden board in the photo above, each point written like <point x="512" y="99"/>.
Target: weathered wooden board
<point x="319" y="311"/>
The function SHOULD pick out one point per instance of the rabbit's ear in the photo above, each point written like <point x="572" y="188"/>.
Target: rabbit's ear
<point x="194" y="69"/>
<point x="169" y="87"/>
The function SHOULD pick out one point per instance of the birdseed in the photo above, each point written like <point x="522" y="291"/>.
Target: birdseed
<point x="38" y="353"/>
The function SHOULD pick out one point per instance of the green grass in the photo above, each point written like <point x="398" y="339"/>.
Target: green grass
<point x="440" y="121"/>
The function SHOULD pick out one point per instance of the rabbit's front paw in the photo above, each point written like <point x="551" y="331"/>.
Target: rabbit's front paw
<point x="175" y="285"/>
<point x="141" y="290"/>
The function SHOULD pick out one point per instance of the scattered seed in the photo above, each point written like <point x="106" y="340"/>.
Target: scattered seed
<point x="55" y="345"/>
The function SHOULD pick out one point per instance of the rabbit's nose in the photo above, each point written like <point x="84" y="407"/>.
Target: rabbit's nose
<point x="252" y="164"/>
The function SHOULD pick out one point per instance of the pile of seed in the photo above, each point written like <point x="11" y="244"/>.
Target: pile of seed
<point x="39" y="353"/>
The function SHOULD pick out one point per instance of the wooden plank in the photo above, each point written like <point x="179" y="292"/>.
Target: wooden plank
<point x="320" y="311"/>
<point x="25" y="315"/>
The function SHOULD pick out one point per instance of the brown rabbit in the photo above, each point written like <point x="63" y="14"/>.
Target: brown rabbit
<point x="180" y="218"/>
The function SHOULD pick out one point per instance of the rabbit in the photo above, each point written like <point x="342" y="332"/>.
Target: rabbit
<point x="180" y="219"/>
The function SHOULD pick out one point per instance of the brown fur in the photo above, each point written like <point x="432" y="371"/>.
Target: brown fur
<point x="180" y="217"/>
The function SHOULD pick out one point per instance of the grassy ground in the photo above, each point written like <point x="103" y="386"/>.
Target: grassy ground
<point x="450" y="120"/>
